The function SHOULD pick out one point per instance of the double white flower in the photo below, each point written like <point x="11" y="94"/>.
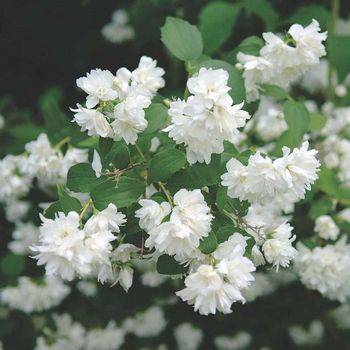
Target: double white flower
<point x="207" y="118"/>
<point x="127" y="95"/>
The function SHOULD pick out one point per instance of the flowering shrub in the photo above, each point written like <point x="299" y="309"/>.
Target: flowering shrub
<point x="232" y="187"/>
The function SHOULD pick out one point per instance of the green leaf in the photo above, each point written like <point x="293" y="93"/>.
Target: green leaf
<point x="55" y="119"/>
<point x="249" y="46"/>
<point x="317" y="121"/>
<point x="208" y="244"/>
<point x="123" y="194"/>
<point x="89" y="142"/>
<point x="329" y="183"/>
<point x="216" y="21"/>
<point x="165" y="163"/>
<point x="305" y="14"/>
<point x="12" y="265"/>
<point x="224" y="233"/>
<point x="197" y="175"/>
<point x="26" y="132"/>
<point x="54" y="208"/>
<point x="118" y="154"/>
<point x="81" y="178"/>
<point x="273" y="91"/>
<point x="67" y="202"/>
<point x="235" y="82"/>
<point x="224" y="202"/>
<point x="338" y="48"/>
<point x="156" y="115"/>
<point x="321" y="207"/>
<point x="298" y="120"/>
<point x="182" y="39"/>
<point x="264" y="10"/>
<point x="167" y="265"/>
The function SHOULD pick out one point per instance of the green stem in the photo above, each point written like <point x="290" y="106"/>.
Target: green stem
<point x="62" y="142"/>
<point x="166" y="192"/>
<point x="86" y="207"/>
<point x="139" y="151"/>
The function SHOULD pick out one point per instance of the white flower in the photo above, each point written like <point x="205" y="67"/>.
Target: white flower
<point x="188" y="337"/>
<point x="306" y="337"/>
<point x="149" y="323"/>
<point x="230" y="248"/>
<point x="270" y="120"/>
<point x="109" y="338"/>
<point x="61" y="246"/>
<point x="209" y="83"/>
<point x="309" y="41"/>
<point x="93" y="121"/>
<point x="87" y="288"/>
<point x="29" y="296"/>
<point x="14" y="182"/>
<point x="278" y="249"/>
<point x="207" y="118"/>
<point x="282" y="64"/>
<point x="16" y="209"/>
<point x="208" y="292"/>
<point x="172" y="238"/>
<point x="241" y="340"/>
<point x="98" y="84"/>
<point x="24" y="236"/>
<point x="299" y="168"/>
<point x="263" y="179"/>
<point x="68" y="335"/>
<point x="191" y="210"/>
<point x="257" y="70"/>
<point x="261" y="286"/>
<point x="283" y="180"/>
<point x="129" y="116"/>
<point x="326" y="269"/>
<point x="118" y="30"/>
<point x="108" y="219"/>
<point x="235" y="179"/>
<point x="152" y="279"/>
<point x="151" y="214"/>
<point x="148" y="76"/>
<point x="96" y="164"/>
<point x="326" y="227"/>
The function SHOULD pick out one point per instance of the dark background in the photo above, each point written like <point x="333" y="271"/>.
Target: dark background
<point x="46" y="43"/>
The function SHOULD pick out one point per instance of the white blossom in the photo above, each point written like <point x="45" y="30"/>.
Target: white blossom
<point x="29" y="296"/>
<point x="118" y="30"/>
<point x="188" y="337"/>
<point x="326" y="227"/>
<point x="93" y="121"/>
<point x="24" y="236"/>
<point x="278" y="249"/>
<point x="326" y="269"/>
<point x="98" y="84"/>
<point x="148" y="76"/>
<point x="151" y="214"/>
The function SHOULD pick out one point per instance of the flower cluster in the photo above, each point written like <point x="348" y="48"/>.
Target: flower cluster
<point x="41" y="161"/>
<point x="326" y="269"/>
<point x="120" y="100"/>
<point x="68" y="250"/>
<point x="282" y="62"/>
<point x="30" y="297"/>
<point x="207" y="117"/>
<point x="264" y="179"/>
<point x="189" y="222"/>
